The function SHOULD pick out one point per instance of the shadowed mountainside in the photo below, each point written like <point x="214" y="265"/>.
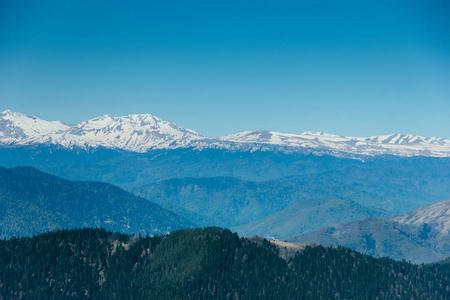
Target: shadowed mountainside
<point x="33" y="202"/>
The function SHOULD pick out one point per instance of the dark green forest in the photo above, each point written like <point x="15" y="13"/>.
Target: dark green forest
<point x="209" y="263"/>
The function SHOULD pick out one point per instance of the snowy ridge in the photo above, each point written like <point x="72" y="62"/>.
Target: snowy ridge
<point x="395" y="144"/>
<point x="143" y="132"/>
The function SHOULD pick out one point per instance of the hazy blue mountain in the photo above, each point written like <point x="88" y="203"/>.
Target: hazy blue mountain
<point x="395" y="187"/>
<point x="231" y="202"/>
<point x="221" y="201"/>
<point x="308" y="215"/>
<point x="392" y="183"/>
<point x="419" y="236"/>
<point x="33" y="202"/>
<point x="130" y="169"/>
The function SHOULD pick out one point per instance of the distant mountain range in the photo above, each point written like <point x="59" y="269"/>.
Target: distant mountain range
<point x="144" y="132"/>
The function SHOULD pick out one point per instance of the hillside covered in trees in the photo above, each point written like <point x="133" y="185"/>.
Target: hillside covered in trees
<point x="33" y="202"/>
<point x="210" y="263"/>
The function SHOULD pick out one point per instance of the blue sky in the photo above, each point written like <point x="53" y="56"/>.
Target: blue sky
<point x="355" y="68"/>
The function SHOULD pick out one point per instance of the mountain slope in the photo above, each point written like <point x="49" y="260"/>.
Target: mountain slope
<point x="379" y="238"/>
<point x="210" y="263"/>
<point x="33" y="202"/>
<point x="436" y="215"/>
<point x="143" y="132"/>
<point x="306" y="216"/>
<point x="419" y="236"/>
<point x="219" y="201"/>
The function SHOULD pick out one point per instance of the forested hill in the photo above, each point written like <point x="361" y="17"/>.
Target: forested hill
<point x="210" y="263"/>
<point x="33" y="202"/>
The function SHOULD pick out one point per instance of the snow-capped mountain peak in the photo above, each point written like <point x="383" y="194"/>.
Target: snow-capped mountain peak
<point x="138" y="122"/>
<point x="7" y="113"/>
<point x="15" y="127"/>
<point x="138" y="133"/>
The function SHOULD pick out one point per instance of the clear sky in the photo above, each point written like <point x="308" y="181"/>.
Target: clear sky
<point x="356" y="68"/>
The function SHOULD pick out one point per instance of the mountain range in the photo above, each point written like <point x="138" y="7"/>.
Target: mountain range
<point x="287" y="186"/>
<point x="33" y="202"/>
<point x="289" y="206"/>
<point x="144" y="132"/>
